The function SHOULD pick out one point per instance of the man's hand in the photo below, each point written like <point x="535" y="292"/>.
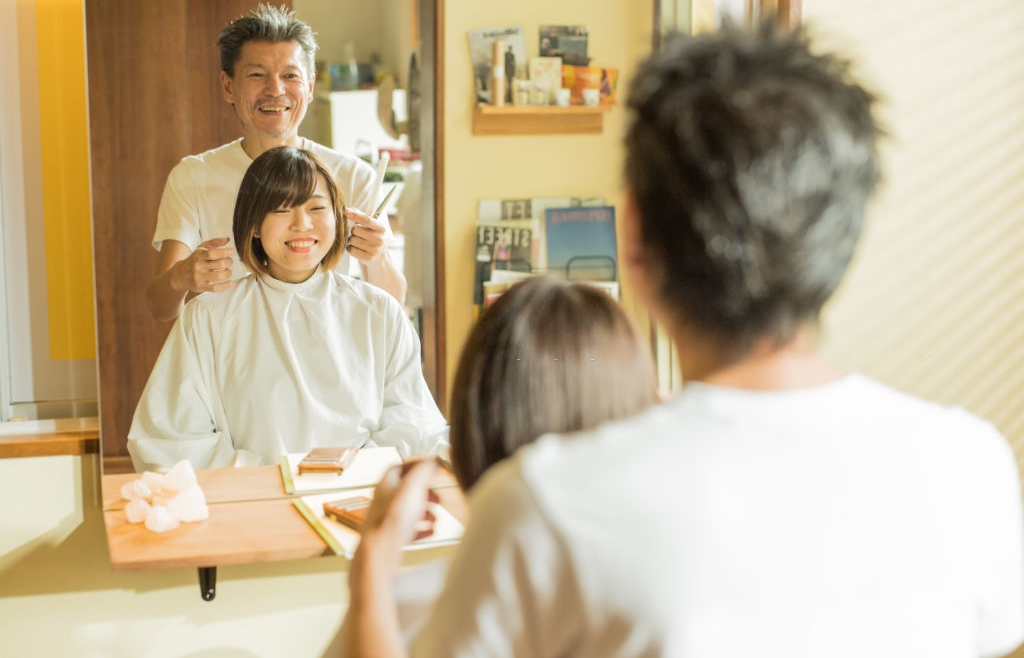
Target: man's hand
<point x="182" y="273"/>
<point x="207" y="269"/>
<point x="366" y="243"/>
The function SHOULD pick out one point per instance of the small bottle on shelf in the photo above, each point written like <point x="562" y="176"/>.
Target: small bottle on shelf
<point x="498" y="73"/>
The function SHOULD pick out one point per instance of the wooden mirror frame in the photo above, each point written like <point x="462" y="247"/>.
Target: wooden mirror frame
<point x="165" y="72"/>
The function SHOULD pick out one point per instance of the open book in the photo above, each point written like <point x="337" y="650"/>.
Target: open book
<point x="344" y="540"/>
<point x="366" y="470"/>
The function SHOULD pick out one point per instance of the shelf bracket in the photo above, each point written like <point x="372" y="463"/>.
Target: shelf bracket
<point x="208" y="583"/>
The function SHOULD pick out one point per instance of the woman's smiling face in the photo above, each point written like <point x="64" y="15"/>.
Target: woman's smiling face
<point x="296" y="239"/>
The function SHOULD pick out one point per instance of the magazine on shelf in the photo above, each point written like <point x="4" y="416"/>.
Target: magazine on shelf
<point x="502" y="244"/>
<point x="566" y="41"/>
<point x="531" y="208"/>
<point x="581" y="242"/>
<point x="480" y="53"/>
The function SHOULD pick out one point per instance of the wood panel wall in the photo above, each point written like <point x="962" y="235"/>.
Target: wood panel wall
<point x="154" y="97"/>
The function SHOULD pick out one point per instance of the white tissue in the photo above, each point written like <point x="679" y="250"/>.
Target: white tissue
<point x="137" y="510"/>
<point x="154" y="481"/>
<point x="135" y="490"/>
<point x="161" y="519"/>
<point x="189" y="505"/>
<point x="180" y="477"/>
<point x="163" y="501"/>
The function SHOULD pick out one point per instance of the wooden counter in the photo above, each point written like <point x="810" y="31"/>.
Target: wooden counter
<point x="252" y="519"/>
<point x="236" y="533"/>
<point x="219" y="485"/>
<point x="45" y="438"/>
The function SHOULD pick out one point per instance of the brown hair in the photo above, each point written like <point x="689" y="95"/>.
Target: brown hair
<point x="548" y="356"/>
<point x="282" y="177"/>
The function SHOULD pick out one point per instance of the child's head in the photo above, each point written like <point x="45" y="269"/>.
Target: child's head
<point x="548" y="356"/>
<point x="289" y="215"/>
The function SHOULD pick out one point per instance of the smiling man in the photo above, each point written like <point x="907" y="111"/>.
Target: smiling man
<point x="267" y="75"/>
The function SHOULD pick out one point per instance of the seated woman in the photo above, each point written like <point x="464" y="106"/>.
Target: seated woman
<point x="294" y="355"/>
<point x="548" y="356"/>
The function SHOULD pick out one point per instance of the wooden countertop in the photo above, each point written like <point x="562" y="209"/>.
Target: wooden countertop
<point x="252" y="519"/>
<point x="236" y="533"/>
<point x="44" y="438"/>
<point x="219" y="485"/>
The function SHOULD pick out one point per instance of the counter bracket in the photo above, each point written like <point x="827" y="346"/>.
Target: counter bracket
<point x="208" y="583"/>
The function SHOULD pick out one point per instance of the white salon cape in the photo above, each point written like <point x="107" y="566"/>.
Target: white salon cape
<point x="268" y="368"/>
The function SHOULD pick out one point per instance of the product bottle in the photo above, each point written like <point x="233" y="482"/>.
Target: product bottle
<point x="413" y="98"/>
<point x="351" y="68"/>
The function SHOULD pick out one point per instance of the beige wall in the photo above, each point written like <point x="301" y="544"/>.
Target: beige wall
<point x="935" y="301"/>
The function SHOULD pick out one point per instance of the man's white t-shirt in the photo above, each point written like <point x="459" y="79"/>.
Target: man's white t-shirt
<point x="198" y="202"/>
<point x="847" y="520"/>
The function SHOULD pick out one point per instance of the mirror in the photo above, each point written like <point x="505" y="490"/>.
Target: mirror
<point x="154" y="98"/>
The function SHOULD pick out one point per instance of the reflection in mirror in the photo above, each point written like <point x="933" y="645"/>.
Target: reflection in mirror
<point x="154" y="98"/>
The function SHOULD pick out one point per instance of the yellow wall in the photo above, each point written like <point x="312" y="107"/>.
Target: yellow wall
<point x="64" y="144"/>
<point x="525" y="166"/>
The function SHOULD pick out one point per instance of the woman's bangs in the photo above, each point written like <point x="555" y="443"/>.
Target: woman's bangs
<point x="293" y="184"/>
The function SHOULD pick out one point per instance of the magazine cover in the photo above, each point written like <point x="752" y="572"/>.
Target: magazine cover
<point x="501" y="245"/>
<point x="578" y="78"/>
<point x="566" y="41"/>
<point x="480" y="55"/>
<point x="581" y="242"/>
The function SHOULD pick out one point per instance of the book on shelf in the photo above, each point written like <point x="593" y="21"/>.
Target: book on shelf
<point x="480" y="53"/>
<point x="343" y="539"/>
<point x="581" y="242"/>
<point x="547" y="70"/>
<point x="566" y="41"/>
<point x="365" y="470"/>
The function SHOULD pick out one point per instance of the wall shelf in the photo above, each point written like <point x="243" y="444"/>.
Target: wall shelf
<point x="537" y="120"/>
